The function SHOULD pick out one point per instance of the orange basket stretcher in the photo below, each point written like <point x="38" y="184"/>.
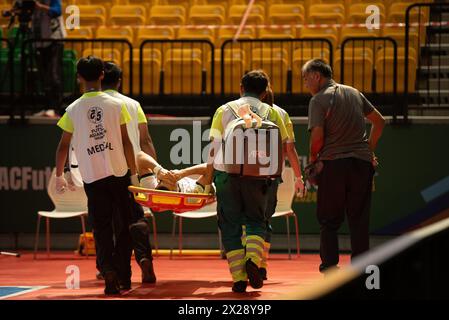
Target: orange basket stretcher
<point x="162" y="200"/>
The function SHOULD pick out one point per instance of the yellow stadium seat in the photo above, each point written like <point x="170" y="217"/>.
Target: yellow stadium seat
<point x="326" y="13"/>
<point x="343" y="2"/>
<point x="329" y="33"/>
<point x="167" y="15"/>
<point x="358" y="32"/>
<point x="234" y="64"/>
<point x="196" y="33"/>
<point x="151" y="68"/>
<point x="72" y="2"/>
<point x="368" y="2"/>
<point x="384" y="70"/>
<point x="225" y="33"/>
<point x="276" y="33"/>
<point x="224" y="3"/>
<point x="82" y="33"/>
<point x="207" y="15"/>
<point x="147" y="4"/>
<point x="357" y="12"/>
<point x="358" y="66"/>
<point x="184" y="3"/>
<point x="4" y="21"/>
<point x="409" y="2"/>
<point x="286" y="14"/>
<point x="115" y="33"/>
<point x="300" y="57"/>
<point x="304" y="3"/>
<point x="159" y="33"/>
<point x="183" y="71"/>
<point x="398" y="34"/>
<point x="275" y="63"/>
<point x="92" y="15"/>
<point x="106" y="54"/>
<point x="129" y="15"/>
<point x="397" y="11"/>
<point x="107" y="4"/>
<point x="256" y="16"/>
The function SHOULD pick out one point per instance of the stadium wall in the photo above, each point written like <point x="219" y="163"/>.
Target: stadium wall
<point x="411" y="185"/>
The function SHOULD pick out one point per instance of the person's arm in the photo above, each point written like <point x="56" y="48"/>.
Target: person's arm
<point x="293" y="158"/>
<point x="62" y="152"/>
<point x="316" y="142"/>
<point x="199" y="169"/>
<point x="128" y="150"/>
<point x="147" y="164"/>
<point x="276" y="118"/>
<point x="216" y="134"/>
<point x="54" y="9"/>
<point x="61" y="158"/>
<point x="146" y="143"/>
<point x="208" y="175"/>
<point x="317" y="117"/>
<point x="378" y="124"/>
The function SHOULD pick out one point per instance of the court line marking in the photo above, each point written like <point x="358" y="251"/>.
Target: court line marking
<point x="31" y="289"/>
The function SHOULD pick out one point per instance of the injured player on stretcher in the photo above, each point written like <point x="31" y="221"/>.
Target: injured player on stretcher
<point x="153" y="176"/>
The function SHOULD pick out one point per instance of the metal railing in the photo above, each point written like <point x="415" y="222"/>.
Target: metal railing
<point x="7" y="69"/>
<point x="426" y="57"/>
<point x="371" y="66"/>
<point x="161" y="68"/>
<point x="282" y="59"/>
<point x="34" y="85"/>
<point x="166" y="65"/>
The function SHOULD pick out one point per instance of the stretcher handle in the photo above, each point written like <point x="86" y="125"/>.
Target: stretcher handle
<point x="138" y="194"/>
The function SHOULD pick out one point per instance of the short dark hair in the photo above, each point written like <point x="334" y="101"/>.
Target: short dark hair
<point x="269" y="97"/>
<point x="112" y="74"/>
<point x="254" y="82"/>
<point x="318" y="65"/>
<point x="90" y="68"/>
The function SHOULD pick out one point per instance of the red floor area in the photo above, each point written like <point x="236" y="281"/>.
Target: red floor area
<point x="187" y="277"/>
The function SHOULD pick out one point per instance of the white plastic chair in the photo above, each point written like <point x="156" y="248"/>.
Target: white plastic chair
<point x="69" y="204"/>
<point x="205" y="212"/>
<point x="286" y="194"/>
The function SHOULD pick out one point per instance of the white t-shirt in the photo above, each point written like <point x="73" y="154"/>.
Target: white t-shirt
<point x="94" y="120"/>
<point x="184" y="185"/>
<point x="137" y="117"/>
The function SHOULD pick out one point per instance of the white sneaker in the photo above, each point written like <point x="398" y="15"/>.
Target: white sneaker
<point x="50" y="113"/>
<point x="40" y="113"/>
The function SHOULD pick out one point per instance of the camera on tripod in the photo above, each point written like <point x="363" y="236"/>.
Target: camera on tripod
<point x="23" y="9"/>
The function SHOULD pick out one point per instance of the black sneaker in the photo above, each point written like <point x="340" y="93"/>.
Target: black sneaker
<point x="125" y="285"/>
<point x="239" y="286"/>
<point x="263" y="273"/>
<point x="324" y="268"/>
<point x="111" y="283"/>
<point x="148" y="275"/>
<point x="255" y="280"/>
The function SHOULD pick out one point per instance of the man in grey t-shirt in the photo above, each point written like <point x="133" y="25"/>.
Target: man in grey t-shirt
<point x="338" y="139"/>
